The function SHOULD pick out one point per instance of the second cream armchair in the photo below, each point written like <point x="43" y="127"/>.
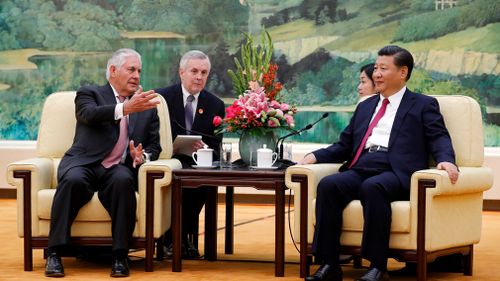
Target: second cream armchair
<point x="35" y="180"/>
<point x="439" y="219"/>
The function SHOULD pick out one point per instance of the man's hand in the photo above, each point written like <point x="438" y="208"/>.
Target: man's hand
<point x="308" y="159"/>
<point x="198" y="145"/>
<point x="136" y="154"/>
<point x="139" y="102"/>
<point x="451" y="169"/>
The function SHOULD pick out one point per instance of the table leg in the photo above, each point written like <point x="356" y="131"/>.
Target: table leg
<point x="229" y="245"/>
<point x="279" y="265"/>
<point x="176" y="225"/>
<point x="211" y="224"/>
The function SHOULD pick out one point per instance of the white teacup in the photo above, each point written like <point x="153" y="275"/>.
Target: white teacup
<point x="203" y="157"/>
<point x="266" y="157"/>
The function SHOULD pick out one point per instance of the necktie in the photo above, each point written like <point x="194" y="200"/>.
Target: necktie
<point x="372" y="125"/>
<point x="116" y="154"/>
<point x="188" y="114"/>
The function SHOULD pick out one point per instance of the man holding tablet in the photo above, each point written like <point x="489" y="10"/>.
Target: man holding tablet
<point x="192" y="110"/>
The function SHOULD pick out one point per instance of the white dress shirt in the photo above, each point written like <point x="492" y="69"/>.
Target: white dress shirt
<point x="194" y="103"/>
<point x="381" y="133"/>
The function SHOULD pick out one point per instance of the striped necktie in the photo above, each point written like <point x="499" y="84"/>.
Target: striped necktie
<point x="188" y="113"/>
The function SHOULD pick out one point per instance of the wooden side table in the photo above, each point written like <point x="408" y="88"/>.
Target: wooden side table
<point x="259" y="179"/>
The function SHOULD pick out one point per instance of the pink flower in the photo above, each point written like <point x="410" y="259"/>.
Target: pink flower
<point x="289" y="120"/>
<point x="253" y="85"/>
<point x="217" y="121"/>
<point x="285" y="107"/>
<point x="274" y="104"/>
<point x="273" y="122"/>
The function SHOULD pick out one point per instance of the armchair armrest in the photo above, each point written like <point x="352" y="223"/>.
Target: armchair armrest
<point x="41" y="169"/>
<point x="470" y="180"/>
<point x="29" y="176"/>
<point x="314" y="174"/>
<point x="452" y="211"/>
<point x="158" y="174"/>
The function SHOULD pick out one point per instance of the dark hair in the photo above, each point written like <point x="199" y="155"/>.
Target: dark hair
<point x="401" y="57"/>
<point x="368" y="69"/>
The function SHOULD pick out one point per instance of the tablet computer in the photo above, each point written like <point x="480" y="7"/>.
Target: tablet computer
<point x="183" y="144"/>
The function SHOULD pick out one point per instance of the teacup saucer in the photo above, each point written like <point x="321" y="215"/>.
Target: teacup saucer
<point x="264" y="168"/>
<point x="203" y="167"/>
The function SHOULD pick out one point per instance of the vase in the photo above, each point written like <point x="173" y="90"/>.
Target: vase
<point x="253" y="139"/>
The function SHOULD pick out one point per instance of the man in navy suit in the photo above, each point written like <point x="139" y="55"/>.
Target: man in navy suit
<point x="409" y="129"/>
<point x="110" y="121"/>
<point x="194" y="68"/>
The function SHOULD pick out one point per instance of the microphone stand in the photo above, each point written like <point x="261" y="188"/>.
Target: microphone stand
<point x="287" y="162"/>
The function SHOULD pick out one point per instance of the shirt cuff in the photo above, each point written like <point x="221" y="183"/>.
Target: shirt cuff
<point x="119" y="111"/>
<point x="146" y="157"/>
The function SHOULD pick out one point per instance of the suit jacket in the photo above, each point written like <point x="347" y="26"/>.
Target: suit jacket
<point x="207" y="108"/>
<point x="418" y="132"/>
<point x="97" y="130"/>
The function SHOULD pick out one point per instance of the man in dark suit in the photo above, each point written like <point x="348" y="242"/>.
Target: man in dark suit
<point x="201" y="107"/>
<point x="395" y="132"/>
<point x="110" y="119"/>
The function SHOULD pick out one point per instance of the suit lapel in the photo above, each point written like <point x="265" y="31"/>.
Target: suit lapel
<point x="365" y="115"/>
<point x="108" y="94"/>
<point x="406" y="104"/>
<point x="179" y="109"/>
<point x="110" y="98"/>
<point x="200" y="108"/>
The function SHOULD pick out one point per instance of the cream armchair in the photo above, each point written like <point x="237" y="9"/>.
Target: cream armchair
<point x="440" y="218"/>
<point x="36" y="180"/>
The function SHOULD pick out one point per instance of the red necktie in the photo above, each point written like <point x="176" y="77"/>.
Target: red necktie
<point x="372" y="125"/>
<point x="115" y="156"/>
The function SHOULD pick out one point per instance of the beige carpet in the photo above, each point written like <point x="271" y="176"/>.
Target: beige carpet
<point x="254" y="240"/>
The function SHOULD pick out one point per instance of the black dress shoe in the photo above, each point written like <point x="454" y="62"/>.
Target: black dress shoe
<point x="168" y="251"/>
<point x="326" y="273"/>
<point x="119" y="267"/>
<point x="53" y="266"/>
<point x="191" y="251"/>
<point x="188" y="251"/>
<point x="374" y="274"/>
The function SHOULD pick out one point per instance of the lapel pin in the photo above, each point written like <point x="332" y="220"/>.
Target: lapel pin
<point x="200" y="110"/>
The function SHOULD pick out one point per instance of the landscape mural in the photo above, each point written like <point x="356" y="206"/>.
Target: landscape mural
<point x="319" y="45"/>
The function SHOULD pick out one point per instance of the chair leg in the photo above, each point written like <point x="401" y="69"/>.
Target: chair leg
<point x="28" y="254"/>
<point x="422" y="269"/>
<point x="357" y="262"/>
<point x="308" y="265"/>
<point x="468" y="261"/>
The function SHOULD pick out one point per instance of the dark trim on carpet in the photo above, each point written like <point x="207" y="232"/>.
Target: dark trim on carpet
<point x="8" y="193"/>
<point x="491" y="205"/>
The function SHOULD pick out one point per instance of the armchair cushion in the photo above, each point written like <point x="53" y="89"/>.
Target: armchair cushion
<point x="353" y="217"/>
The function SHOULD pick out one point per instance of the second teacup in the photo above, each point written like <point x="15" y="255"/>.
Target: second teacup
<point x="266" y="157"/>
<point x="203" y="157"/>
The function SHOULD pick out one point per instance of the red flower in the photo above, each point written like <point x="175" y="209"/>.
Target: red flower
<point x="217" y="121"/>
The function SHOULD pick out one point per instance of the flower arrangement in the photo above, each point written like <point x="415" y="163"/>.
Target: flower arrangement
<point x="259" y="102"/>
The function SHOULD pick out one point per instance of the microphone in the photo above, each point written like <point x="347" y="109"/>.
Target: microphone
<point x="195" y="132"/>
<point x="307" y="127"/>
<point x="317" y="121"/>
